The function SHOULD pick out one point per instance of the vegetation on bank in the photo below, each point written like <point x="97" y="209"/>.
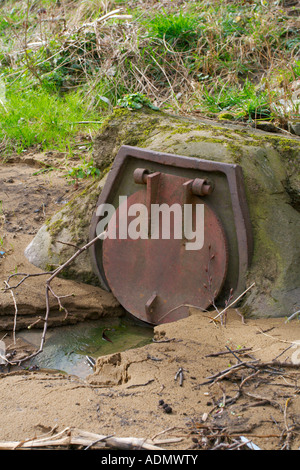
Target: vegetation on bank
<point x="65" y="64"/>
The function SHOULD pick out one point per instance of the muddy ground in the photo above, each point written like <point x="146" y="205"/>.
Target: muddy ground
<point x="259" y="400"/>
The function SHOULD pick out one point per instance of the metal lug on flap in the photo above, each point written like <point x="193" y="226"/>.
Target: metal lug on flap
<point x="140" y="175"/>
<point x="149" y="306"/>
<point x="201" y="187"/>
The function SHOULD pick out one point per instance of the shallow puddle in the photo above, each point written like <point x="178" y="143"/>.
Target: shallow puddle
<point x="66" y="347"/>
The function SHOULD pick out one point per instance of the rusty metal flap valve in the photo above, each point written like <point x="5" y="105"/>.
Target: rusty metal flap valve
<point x="169" y="243"/>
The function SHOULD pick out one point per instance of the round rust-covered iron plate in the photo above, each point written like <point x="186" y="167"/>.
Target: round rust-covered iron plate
<point x="156" y="279"/>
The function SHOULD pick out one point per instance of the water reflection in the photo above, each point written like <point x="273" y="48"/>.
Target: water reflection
<point x="66" y="347"/>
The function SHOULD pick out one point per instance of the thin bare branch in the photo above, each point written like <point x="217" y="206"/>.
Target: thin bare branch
<point x="49" y="290"/>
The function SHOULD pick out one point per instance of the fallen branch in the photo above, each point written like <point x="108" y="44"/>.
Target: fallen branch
<point x="84" y="439"/>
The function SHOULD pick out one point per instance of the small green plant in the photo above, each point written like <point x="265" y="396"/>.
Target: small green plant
<point x="180" y="31"/>
<point x="85" y="170"/>
<point x="135" y="101"/>
<point x="43" y="170"/>
<point x="245" y="102"/>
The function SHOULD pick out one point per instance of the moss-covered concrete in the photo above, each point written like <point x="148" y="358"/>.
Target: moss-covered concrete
<point x="270" y="164"/>
<point x="58" y="238"/>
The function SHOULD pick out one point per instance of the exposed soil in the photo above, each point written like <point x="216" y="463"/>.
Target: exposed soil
<point x="124" y="394"/>
<point x="31" y="190"/>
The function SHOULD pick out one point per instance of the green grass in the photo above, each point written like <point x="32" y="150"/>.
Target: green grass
<point x="244" y="102"/>
<point x="179" y="30"/>
<point x="35" y="117"/>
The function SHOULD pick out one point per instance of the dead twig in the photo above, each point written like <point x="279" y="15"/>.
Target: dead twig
<point x="16" y="310"/>
<point x="221" y="353"/>
<point x="25" y="276"/>
<point x="69" y="437"/>
<point x="292" y="316"/>
<point x="273" y="337"/>
<point x="226" y="372"/>
<point x="48" y="291"/>
<point x="163" y="340"/>
<point x="69" y="244"/>
<point x="285" y="350"/>
<point x="263" y="399"/>
<point x="141" y="385"/>
<point x="179" y="306"/>
<point x="234" y="302"/>
<point x="179" y="374"/>
<point x="208" y="286"/>
<point x="107" y="16"/>
<point x="255" y="364"/>
<point x="288" y="429"/>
